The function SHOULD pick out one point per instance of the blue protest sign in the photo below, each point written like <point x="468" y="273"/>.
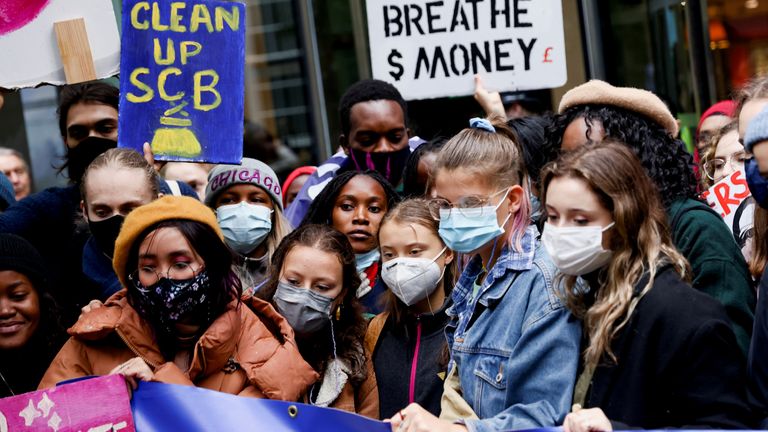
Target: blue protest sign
<point x="181" y="79"/>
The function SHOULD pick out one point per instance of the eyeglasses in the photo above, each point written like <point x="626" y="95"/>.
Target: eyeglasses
<point x="467" y="206"/>
<point x="716" y="165"/>
<point x="178" y="271"/>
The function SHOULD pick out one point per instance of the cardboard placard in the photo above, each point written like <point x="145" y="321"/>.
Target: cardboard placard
<point x="29" y="47"/>
<point x="181" y="80"/>
<point x="95" y="404"/>
<point x="732" y="200"/>
<point x="432" y="48"/>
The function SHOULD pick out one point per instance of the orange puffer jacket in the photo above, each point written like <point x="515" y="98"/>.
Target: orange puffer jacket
<point x="245" y="351"/>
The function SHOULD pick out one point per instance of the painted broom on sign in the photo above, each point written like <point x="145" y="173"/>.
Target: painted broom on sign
<point x="182" y="79"/>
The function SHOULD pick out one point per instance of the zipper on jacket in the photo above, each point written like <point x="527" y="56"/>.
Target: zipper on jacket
<point x="134" y="350"/>
<point x="415" y="362"/>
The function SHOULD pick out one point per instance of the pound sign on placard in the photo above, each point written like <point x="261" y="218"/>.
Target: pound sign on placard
<point x="392" y="59"/>
<point x="546" y="55"/>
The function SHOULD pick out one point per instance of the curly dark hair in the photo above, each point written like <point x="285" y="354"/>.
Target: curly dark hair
<point x="365" y="91"/>
<point x="321" y="209"/>
<point x="411" y="186"/>
<point x="664" y="158"/>
<point x="349" y="326"/>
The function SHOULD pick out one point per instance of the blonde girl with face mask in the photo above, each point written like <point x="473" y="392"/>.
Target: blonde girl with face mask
<point x="514" y="346"/>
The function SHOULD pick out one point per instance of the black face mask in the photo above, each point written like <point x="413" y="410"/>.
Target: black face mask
<point x="105" y="233"/>
<point x="80" y="157"/>
<point x="388" y="164"/>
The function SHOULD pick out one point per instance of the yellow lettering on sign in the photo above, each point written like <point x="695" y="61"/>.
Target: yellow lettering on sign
<point x="176" y="25"/>
<point x="199" y="88"/>
<point x="148" y="92"/>
<point x="200" y="15"/>
<point x="232" y="18"/>
<point x="170" y="53"/>
<point x="139" y="25"/>
<point x="189" y="49"/>
<point x="162" y="78"/>
<point x="156" y="24"/>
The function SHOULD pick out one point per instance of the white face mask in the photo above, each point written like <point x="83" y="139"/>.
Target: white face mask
<point x="412" y="279"/>
<point x="576" y="251"/>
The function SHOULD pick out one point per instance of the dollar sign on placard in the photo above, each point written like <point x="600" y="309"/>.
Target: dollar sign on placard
<point x="398" y="72"/>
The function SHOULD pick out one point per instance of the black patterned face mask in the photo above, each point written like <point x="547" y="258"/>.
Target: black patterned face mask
<point x="170" y="300"/>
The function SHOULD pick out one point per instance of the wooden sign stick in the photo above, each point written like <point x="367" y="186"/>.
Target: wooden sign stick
<point x="75" y="50"/>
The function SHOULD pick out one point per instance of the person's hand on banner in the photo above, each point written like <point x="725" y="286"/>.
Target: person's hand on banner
<point x="489" y="101"/>
<point x="134" y="370"/>
<point x="586" y="420"/>
<point x="414" y="418"/>
<point x="149" y="156"/>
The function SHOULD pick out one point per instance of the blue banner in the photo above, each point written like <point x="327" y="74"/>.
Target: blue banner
<point x="167" y="407"/>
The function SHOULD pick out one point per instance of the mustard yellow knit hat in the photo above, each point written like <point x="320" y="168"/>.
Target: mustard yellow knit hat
<point x="163" y="209"/>
<point x="639" y="101"/>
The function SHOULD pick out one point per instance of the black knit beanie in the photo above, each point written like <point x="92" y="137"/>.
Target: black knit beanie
<point x="19" y="255"/>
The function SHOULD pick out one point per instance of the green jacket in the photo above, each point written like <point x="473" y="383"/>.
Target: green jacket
<point x="718" y="266"/>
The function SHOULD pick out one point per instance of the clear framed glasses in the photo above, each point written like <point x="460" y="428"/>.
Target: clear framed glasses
<point x="178" y="271"/>
<point x="467" y="206"/>
<point x="715" y="166"/>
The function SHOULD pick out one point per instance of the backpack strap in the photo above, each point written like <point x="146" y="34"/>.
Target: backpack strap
<point x="374" y="331"/>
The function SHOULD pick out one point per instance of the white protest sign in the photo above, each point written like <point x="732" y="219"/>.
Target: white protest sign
<point x="433" y="48"/>
<point x="731" y="199"/>
<point x="28" y="44"/>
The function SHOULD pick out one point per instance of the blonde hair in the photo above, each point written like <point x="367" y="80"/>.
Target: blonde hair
<point x="756" y="88"/>
<point x="495" y="157"/>
<point x="122" y="158"/>
<point x="640" y="240"/>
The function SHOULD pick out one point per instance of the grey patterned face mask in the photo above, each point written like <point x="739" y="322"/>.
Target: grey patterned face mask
<point x="306" y="311"/>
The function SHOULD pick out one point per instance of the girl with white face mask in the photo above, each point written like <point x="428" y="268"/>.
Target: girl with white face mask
<point x="313" y="285"/>
<point x="513" y="345"/>
<point x="249" y="207"/>
<point x="657" y="353"/>
<point x="407" y="341"/>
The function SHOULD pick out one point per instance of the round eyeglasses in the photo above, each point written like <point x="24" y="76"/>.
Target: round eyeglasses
<point x="468" y="206"/>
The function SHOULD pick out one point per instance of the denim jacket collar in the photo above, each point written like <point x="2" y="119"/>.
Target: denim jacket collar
<point x="509" y="259"/>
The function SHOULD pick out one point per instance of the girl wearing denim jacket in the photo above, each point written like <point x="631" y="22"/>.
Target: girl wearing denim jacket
<point x="514" y="346"/>
<point x="657" y="354"/>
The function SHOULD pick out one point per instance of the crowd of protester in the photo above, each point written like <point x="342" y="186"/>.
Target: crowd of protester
<point x="555" y="269"/>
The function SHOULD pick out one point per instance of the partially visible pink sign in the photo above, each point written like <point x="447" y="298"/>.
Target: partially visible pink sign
<point x="98" y="404"/>
<point x="15" y="14"/>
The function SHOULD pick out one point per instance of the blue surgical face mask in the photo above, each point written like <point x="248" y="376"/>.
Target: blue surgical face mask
<point x="757" y="184"/>
<point x="468" y="229"/>
<point x="244" y="225"/>
<point x="365" y="260"/>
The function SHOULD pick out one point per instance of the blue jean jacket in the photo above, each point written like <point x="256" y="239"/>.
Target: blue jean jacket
<point x="517" y="358"/>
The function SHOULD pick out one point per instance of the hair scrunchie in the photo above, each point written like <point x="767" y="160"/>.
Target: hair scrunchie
<point x="481" y="123"/>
